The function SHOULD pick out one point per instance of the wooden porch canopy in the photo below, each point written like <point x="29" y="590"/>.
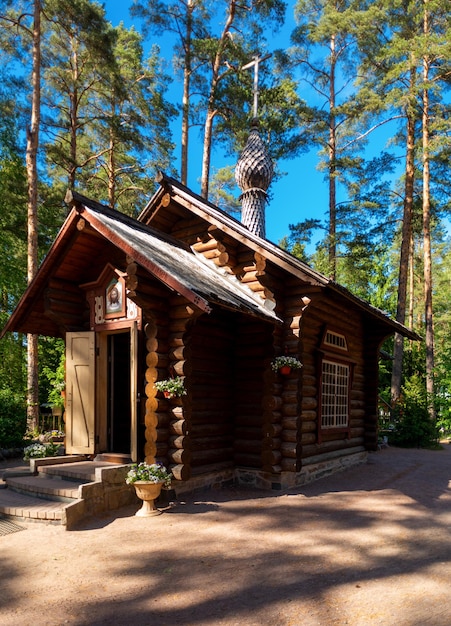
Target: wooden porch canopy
<point x="90" y="237"/>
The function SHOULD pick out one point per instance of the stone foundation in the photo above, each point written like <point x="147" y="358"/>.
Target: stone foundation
<point x="256" y="479"/>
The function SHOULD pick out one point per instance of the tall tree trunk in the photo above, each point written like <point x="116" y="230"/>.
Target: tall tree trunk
<point x="410" y="321"/>
<point x="32" y="212"/>
<point x="427" y="232"/>
<point x="186" y="94"/>
<point x="112" y="171"/>
<point x="211" y="109"/>
<point x="405" y="244"/>
<point x="332" y="166"/>
<point x="73" y="117"/>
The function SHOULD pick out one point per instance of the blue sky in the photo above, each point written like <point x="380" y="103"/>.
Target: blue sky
<point x="302" y="193"/>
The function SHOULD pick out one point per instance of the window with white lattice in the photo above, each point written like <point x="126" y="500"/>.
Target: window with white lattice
<point x="335" y="379"/>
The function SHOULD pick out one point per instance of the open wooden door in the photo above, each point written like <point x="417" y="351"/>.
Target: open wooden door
<point x="80" y="393"/>
<point x="134" y="398"/>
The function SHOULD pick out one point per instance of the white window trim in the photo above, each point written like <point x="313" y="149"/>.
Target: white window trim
<point x="335" y="389"/>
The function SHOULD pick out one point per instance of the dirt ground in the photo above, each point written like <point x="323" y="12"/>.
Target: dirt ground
<point x="368" y="546"/>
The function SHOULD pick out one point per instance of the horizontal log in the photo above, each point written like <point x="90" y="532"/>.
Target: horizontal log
<point x="271" y="430"/>
<point x="180" y="441"/>
<point x="64" y="299"/>
<point x="357" y="432"/>
<point x="254" y="447"/>
<point x="333" y="454"/>
<point x="330" y="446"/>
<point x="204" y="246"/>
<point x="212" y="468"/>
<point x="218" y="408"/>
<point x="163" y="417"/>
<point x="182" y="368"/>
<point x="288" y="465"/>
<point x="179" y="456"/>
<point x="226" y="259"/>
<point x="178" y="325"/>
<point x="161" y="448"/>
<point x="205" y="457"/>
<point x="180" y="472"/>
<point x="272" y="443"/>
<point x="211" y="254"/>
<point x="152" y="292"/>
<point x="272" y="469"/>
<point x="308" y="403"/>
<point x="248" y="420"/>
<point x="289" y="450"/>
<point x="211" y="443"/>
<point x="290" y="410"/>
<point x="220" y="429"/>
<point x="178" y="427"/>
<point x="308" y="438"/>
<point x="248" y="460"/>
<point x="290" y="423"/>
<point x="248" y="432"/>
<point x="308" y="426"/>
<point x="290" y="435"/>
<point x="162" y="434"/>
<point x="181" y="311"/>
<point x="177" y="412"/>
<point x="271" y="457"/>
<point x="272" y="403"/>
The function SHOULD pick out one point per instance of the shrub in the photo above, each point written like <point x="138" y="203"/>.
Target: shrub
<point x="13" y="419"/>
<point x="413" y="425"/>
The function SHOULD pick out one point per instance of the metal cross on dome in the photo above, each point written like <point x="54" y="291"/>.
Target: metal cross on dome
<point x="255" y="63"/>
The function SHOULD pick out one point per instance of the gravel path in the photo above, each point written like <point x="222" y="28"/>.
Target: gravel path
<point x="369" y="546"/>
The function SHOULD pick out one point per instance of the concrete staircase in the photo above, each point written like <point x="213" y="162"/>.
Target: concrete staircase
<point x="63" y="490"/>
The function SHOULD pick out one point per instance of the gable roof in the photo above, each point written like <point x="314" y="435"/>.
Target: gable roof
<point x="166" y="258"/>
<point x="283" y="259"/>
<point x="173" y="263"/>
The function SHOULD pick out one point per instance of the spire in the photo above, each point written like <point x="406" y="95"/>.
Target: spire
<point x="254" y="170"/>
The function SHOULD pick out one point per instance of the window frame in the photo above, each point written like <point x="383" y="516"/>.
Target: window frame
<point x="336" y="357"/>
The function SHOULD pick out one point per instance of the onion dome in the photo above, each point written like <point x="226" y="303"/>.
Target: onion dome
<point x="253" y="174"/>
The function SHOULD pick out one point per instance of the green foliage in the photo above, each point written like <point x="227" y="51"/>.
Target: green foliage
<point x="41" y="450"/>
<point x="413" y="425"/>
<point x="150" y="473"/>
<point x="172" y="386"/>
<point x="13" y="419"/>
<point x="52" y="375"/>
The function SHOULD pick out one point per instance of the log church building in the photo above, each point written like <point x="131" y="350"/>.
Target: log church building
<point x="185" y="290"/>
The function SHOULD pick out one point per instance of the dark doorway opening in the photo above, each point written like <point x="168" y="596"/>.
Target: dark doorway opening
<point x="119" y="405"/>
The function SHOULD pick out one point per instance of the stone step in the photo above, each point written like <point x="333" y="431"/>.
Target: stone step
<point x="82" y="471"/>
<point x="27" y="508"/>
<point x="43" y="486"/>
<point x="64" y="491"/>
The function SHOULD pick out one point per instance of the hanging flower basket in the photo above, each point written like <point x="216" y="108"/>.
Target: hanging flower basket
<point x="285" y="364"/>
<point x="171" y="387"/>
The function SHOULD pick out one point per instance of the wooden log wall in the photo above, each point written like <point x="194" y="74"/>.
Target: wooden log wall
<point x="253" y="345"/>
<point x="211" y="391"/>
<point x="65" y="304"/>
<point x="336" y="315"/>
<point x="282" y="429"/>
<point x="165" y="323"/>
<point x="373" y="342"/>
